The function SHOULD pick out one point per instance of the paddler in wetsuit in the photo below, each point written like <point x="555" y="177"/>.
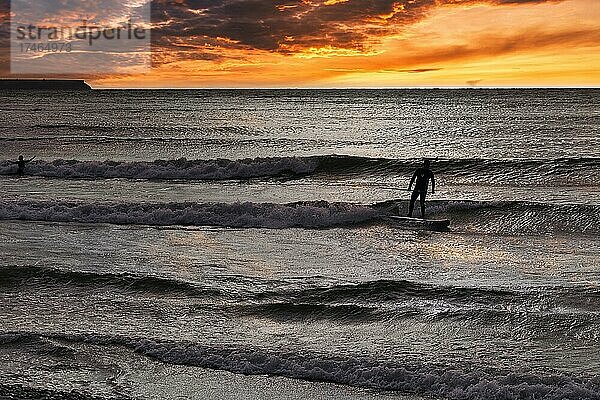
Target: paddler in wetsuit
<point x="422" y="176"/>
<point x="21" y="164"/>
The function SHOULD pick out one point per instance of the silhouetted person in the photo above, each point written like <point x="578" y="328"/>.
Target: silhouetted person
<point x="422" y="175"/>
<point x="21" y="164"/>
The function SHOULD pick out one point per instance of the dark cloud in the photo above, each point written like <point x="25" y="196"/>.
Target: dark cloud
<point x="276" y="25"/>
<point x="208" y="29"/>
<point x="288" y="26"/>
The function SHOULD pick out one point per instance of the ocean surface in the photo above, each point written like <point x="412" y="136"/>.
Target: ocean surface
<point x="233" y="244"/>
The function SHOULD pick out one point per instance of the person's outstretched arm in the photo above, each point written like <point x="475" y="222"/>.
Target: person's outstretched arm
<point x="432" y="183"/>
<point x="412" y="180"/>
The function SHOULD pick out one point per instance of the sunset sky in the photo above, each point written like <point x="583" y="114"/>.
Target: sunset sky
<point x="369" y="43"/>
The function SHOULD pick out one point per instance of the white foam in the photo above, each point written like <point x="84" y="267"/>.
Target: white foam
<point x="243" y="215"/>
<point x="169" y="169"/>
<point x="452" y="382"/>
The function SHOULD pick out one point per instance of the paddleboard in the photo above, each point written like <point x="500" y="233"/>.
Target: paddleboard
<point x="419" y="223"/>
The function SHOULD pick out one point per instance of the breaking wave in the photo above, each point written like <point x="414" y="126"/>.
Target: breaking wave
<point x="182" y="169"/>
<point x="509" y="217"/>
<point x="518" y="172"/>
<point x="319" y="214"/>
<point x="405" y="376"/>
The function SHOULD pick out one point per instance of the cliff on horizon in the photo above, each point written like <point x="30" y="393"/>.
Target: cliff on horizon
<point x="43" y="84"/>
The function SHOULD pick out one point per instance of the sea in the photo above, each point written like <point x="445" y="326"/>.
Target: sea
<point x="230" y="244"/>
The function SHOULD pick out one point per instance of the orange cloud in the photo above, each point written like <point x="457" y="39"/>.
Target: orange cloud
<point x="253" y="43"/>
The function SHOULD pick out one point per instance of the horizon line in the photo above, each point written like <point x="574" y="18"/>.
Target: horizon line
<point x="343" y="88"/>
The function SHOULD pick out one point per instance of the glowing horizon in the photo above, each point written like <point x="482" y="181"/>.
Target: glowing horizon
<point x="370" y="44"/>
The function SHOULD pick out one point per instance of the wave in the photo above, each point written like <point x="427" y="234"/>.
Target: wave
<point x="345" y="302"/>
<point x="318" y="214"/>
<point x="405" y="376"/>
<point x="506" y="218"/>
<point x="520" y="217"/>
<point x="393" y="290"/>
<point x="376" y="301"/>
<point x="566" y="171"/>
<point x="285" y="296"/>
<point x="536" y="314"/>
<point x="168" y="169"/>
<point x="517" y="172"/>
<point x="18" y="275"/>
<point x="393" y="299"/>
<point x="339" y="301"/>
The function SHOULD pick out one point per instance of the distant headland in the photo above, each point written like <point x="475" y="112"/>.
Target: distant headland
<point x="43" y="84"/>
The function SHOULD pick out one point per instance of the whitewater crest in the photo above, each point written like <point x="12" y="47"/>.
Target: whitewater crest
<point x="512" y="218"/>
<point x="183" y="169"/>
<point x="317" y="214"/>
<point x="518" y="172"/>
<point x="454" y="382"/>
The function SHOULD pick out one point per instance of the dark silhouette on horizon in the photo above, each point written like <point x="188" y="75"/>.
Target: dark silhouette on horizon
<point x="43" y="84"/>
<point x="21" y="164"/>
<point x="422" y="176"/>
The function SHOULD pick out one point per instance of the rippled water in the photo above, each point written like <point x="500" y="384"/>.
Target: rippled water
<point x="214" y="243"/>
